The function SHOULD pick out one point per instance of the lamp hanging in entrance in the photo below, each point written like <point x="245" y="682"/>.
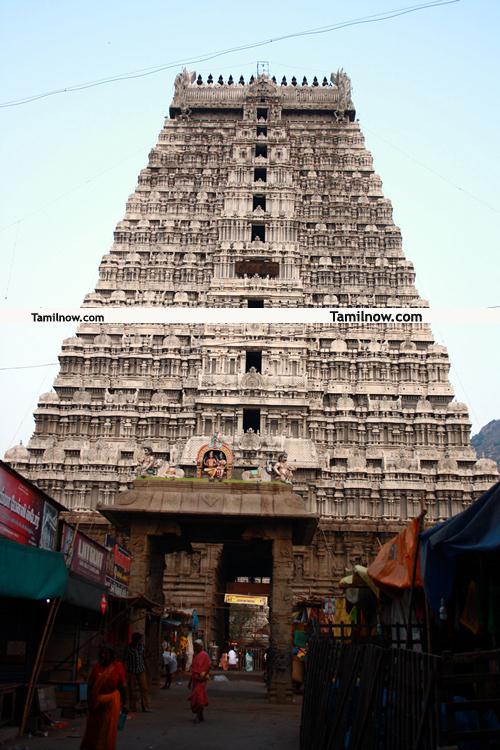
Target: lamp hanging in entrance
<point x="104" y="604"/>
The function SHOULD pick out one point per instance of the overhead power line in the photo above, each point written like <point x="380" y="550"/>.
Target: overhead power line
<point x="28" y="367"/>
<point x="143" y="72"/>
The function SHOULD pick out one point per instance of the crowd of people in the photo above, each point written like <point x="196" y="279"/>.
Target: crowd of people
<point x="116" y="686"/>
<point x="233" y="659"/>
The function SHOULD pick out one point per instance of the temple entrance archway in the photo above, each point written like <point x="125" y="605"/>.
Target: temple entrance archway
<point x="162" y="516"/>
<point x="245" y="597"/>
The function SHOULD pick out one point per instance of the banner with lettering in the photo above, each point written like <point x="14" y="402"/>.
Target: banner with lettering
<point x="118" y="573"/>
<point x="21" y="510"/>
<point x="89" y="559"/>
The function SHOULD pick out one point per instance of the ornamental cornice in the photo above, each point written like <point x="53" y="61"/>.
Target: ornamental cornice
<point x="189" y="94"/>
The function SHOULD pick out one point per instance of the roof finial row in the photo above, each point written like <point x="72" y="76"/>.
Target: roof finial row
<point x="241" y="81"/>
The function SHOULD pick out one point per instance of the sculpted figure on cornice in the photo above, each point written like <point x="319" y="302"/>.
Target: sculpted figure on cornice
<point x="252" y="379"/>
<point x="182" y="81"/>
<point x="282" y="470"/>
<point x="250" y="440"/>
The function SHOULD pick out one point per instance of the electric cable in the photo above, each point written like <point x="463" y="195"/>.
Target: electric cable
<point x="142" y="73"/>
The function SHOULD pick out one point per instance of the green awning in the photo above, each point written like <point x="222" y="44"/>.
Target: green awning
<point x="31" y="573"/>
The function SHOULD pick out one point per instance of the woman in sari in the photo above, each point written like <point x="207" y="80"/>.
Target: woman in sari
<point x="106" y="697"/>
<point x="200" y="669"/>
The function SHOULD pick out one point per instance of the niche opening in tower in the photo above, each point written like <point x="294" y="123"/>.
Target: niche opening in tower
<point x="255" y="302"/>
<point x="260" y="174"/>
<point x="251" y="420"/>
<point x="253" y="358"/>
<point x="258" y="232"/>
<point x="262" y="113"/>
<point x="261" y="150"/>
<point x="259" y="201"/>
<point x="261" y="130"/>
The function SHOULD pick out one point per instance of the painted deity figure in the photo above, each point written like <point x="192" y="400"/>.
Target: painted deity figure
<point x="146" y="466"/>
<point x="282" y="470"/>
<point x="210" y="466"/>
<point x="216" y="441"/>
<point x="220" y="472"/>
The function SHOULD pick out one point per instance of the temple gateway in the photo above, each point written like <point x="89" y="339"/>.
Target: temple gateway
<point x="217" y="448"/>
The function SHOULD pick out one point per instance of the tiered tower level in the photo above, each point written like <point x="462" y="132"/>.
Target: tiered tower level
<point x="261" y="194"/>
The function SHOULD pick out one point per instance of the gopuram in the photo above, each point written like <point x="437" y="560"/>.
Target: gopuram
<point x="258" y="193"/>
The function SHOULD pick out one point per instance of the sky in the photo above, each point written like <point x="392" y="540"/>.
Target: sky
<point x="425" y="89"/>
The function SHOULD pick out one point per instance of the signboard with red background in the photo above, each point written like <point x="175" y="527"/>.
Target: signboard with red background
<point x="21" y="510"/>
<point x="88" y="559"/>
<point x="119" y="563"/>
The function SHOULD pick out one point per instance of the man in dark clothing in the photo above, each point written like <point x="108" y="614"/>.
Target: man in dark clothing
<point x="136" y="673"/>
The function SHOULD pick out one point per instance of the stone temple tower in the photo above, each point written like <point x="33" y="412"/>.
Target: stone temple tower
<point x="261" y="194"/>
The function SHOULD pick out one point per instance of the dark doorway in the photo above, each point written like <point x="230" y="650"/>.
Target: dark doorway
<point x="261" y="150"/>
<point x="258" y="232"/>
<point x="262" y="113"/>
<point x="246" y="570"/>
<point x="260" y="174"/>
<point x="251" y="419"/>
<point x="255" y="303"/>
<point x="259" y="201"/>
<point x="259" y="266"/>
<point x="253" y="359"/>
<point x="261" y="130"/>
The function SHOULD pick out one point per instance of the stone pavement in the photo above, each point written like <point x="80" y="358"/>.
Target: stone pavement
<point x="239" y="715"/>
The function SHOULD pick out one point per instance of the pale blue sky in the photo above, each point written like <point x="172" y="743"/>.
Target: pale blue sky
<point x="425" y="86"/>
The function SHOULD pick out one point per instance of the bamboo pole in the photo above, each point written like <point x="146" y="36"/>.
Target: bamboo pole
<point x="44" y="640"/>
<point x="42" y="646"/>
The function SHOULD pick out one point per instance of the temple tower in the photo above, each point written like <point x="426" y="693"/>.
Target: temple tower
<point x="261" y="194"/>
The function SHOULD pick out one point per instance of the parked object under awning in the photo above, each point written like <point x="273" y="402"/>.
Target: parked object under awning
<point x="83" y="593"/>
<point x="30" y="572"/>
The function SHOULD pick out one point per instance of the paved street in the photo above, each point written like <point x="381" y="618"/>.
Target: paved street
<point x="238" y="715"/>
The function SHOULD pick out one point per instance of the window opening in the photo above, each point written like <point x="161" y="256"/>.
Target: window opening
<point x="253" y="358"/>
<point x="255" y="303"/>
<point x="259" y="201"/>
<point x="258" y="232"/>
<point x="261" y="150"/>
<point x="260" y="174"/>
<point x="262" y="113"/>
<point x="261" y="130"/>
<point x="251" y="420"/>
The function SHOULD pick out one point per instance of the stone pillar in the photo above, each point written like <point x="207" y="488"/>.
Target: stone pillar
<point x="146" y="577"/>
<point x="280" y="682"/>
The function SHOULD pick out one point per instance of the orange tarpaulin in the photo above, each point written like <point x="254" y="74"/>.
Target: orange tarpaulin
<point x="393" y="565"/>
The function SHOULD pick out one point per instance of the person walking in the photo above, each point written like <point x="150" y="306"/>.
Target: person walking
<point x="248" y="661"/>
<point x="232" y="658"/>
<point x="200" y="672"/>
<point x="106" y="697"/>
<point x="170" y="663"/>
<point x="136" y="673"/>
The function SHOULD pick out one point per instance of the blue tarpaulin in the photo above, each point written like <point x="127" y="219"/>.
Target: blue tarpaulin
<point x="476" y="529"/>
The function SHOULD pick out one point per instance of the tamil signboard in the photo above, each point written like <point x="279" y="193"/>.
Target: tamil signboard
<point x="21" y="509"/>
<point x="88" y="559"/>
<point x="256" y="601"/>
<point x="118" y="570"/>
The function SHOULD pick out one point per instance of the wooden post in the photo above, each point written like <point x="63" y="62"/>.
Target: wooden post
<point x="409" y="634"/>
